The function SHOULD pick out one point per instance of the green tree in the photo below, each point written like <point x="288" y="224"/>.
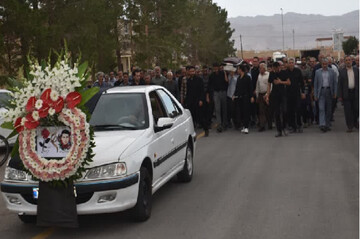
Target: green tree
<point x="168" y="33"/>
<point x="350" y="46"/>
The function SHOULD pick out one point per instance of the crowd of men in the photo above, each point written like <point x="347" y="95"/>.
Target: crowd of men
<point x="289" y="93"/>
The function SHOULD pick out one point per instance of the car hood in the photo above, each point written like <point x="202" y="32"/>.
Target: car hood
<point x="110" y="145"/>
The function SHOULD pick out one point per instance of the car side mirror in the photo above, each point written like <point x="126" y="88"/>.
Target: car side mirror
<point x="163" y="123"/>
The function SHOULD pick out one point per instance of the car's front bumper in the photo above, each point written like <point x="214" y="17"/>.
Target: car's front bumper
<point x="93" y="197"/>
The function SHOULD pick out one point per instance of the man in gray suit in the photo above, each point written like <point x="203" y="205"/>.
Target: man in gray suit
<point x="349" y="93"/>
<point x="325" y="90"/>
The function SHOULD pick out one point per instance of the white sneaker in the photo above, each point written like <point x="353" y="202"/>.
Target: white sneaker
<point x="243" y="130"/>
<point x="246" y="130"/>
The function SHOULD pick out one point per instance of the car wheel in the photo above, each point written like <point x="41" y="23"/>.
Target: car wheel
<point x="186" y="174"/>
<point x="142" y="210"/>
<point x="27" y="218"/>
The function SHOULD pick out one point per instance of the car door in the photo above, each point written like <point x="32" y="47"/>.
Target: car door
<point x="179" y="131"/>
<point x="162" y="142"/>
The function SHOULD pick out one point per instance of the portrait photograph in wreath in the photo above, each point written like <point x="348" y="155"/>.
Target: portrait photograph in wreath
<point x="53" y="142"/>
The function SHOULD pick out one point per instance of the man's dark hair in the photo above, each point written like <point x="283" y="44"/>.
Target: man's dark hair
<point x="255" y="57"/>
<point x="276" y="64"/>
<point x="65" y="131"/>
<point x="164" y="69"/>
<point x="190" y="67"/>
<point x="125" y="73"/>
<point x="136" y="71"/>
<point x="216" y="64"/>
<point x="243" y="67"/>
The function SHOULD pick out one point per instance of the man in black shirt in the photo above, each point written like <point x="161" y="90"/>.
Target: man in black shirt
<point x="295" y="92"/>
<point x="278" y="81"/>
<point x="217" y="87"/>
<point x="254" y="77"/>
<point x="243" y="97"/>
<point x="195" y="98"/>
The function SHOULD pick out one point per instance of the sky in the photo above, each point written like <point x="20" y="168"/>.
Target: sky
<point x="253" y="8"/>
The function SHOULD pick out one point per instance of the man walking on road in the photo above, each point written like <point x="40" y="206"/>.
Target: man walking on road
<point x="349" y="93"/>
<point x="218" y="84"/>
<point x="261" y="90"/>
<point x="295" y="92"/>
<point x="195" y="98"/>
<point x="324" y="91"/>
<point x="243" y="96"/>
<point x="278" y="81"/>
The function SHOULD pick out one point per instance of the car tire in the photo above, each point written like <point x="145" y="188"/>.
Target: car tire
<point x="142" y="210"/>
<point x="27" y="218"/>
<point x="186" y="174"/>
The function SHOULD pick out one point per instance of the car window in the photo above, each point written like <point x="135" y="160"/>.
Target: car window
<point x="170" y="106"/>
<point x="120" y="111"/>
<point x="156" y="106"/>
<point x="4" y="98"/>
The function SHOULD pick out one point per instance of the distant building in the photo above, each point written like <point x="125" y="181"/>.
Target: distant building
<point x="320" y="41"/>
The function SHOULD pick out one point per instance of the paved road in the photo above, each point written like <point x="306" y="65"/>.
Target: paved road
<point x="245" y="186"/>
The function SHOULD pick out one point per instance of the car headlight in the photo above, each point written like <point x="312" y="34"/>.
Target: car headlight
<point x="106" y="171"/>
<point x="15" y="174"/>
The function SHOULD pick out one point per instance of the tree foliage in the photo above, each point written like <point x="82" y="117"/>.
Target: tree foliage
<point x="350" y="46"/>
<point x="169" y="33"/>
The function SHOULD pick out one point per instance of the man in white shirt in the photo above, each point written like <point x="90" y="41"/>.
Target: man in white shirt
<point x="261" y="89"/>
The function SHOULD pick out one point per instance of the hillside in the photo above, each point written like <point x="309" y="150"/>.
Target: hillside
<point x="264" y="32"/>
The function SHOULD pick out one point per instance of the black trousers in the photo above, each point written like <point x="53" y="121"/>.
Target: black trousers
<point x="200" y="114"/>
<point x="294" y="111"/>
<point x="351" y="109"/>
<point x="243" y="111"/>
<point x="308" y="114"/>
<point x="231" y="112"/>
<point x="279" y="105"/>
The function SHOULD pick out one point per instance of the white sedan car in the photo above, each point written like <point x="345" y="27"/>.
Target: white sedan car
<point x="4" y="98"/>
<point x="144" y="137"/>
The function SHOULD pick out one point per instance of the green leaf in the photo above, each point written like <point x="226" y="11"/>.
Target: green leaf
<point x="14" y="83"/>
<point x="87" y="95"/>
<point x="13" y="133"/>
<point x="43" y="65"/>
<point x="7" y="125"/>
<point x="82" y="69"/>
<point x="15" y="150"/>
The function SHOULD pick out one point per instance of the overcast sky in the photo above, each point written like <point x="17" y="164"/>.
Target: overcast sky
<point x="270" y="7"/>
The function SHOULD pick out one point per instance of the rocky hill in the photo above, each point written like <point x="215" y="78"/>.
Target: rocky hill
<point x="265" y="32"/>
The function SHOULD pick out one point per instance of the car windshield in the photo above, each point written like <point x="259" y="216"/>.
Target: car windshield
<point x="4" y="98"/>
<point x="120" y="111"/>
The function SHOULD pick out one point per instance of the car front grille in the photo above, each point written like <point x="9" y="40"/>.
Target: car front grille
<point x="81" y="198"/>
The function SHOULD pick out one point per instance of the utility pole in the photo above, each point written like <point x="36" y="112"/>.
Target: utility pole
<point x="282" y="26"/>
<point x="294" y="40"/>
<point x="241" y="47"/>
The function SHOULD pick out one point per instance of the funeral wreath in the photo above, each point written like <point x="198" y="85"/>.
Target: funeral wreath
<point x="52" y="96"/>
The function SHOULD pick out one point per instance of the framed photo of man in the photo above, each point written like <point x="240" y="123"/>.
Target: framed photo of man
<point x="53" y="142"/>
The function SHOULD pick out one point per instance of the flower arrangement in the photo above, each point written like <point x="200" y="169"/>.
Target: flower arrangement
<point x="53" y="95"/>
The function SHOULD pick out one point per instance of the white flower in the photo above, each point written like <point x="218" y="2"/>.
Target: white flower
<point x="54" y="95"/>
<point x="23" y="120"/>
<point x="35" y="115"/>
<point x="51" y="111"/>
<point x="38" y="104"/>
<point x="68" y="85"/>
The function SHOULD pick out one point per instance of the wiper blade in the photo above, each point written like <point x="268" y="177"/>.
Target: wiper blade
<point x="113" y="127"/>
